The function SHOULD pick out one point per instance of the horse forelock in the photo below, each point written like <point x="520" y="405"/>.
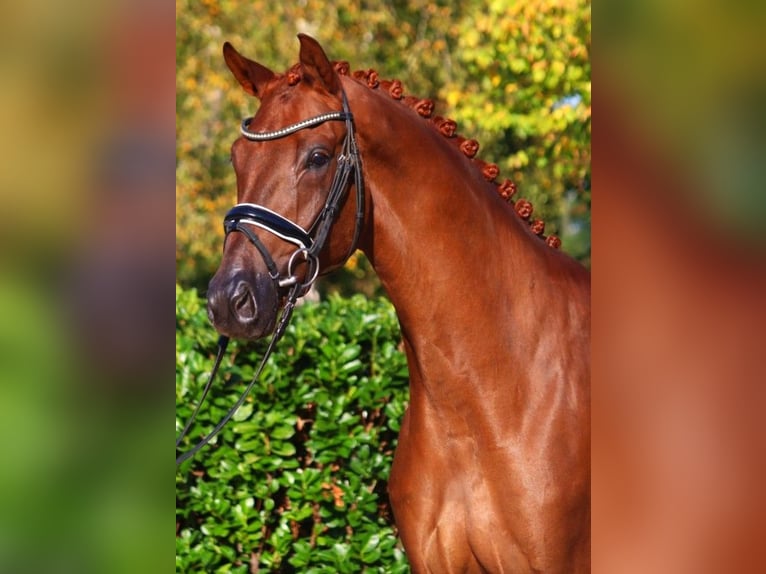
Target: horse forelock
<point x="282" y="105"/>
<point x="425" y="107"/>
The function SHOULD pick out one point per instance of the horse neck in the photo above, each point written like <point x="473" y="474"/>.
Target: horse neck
<point x="444" y="244"/>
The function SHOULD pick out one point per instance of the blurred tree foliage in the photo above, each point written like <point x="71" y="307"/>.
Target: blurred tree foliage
<point x="515" y="74"/>
<point x="523" y="90"/>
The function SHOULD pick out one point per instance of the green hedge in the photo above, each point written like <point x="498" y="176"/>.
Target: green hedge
<point x="296" y="482"/>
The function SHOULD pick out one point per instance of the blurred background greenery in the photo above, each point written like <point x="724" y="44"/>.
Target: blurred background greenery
<point x="86" y="285"/>
<point x="515" y="75"/>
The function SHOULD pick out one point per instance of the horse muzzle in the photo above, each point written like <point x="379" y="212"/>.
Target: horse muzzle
<point x="242" y="304"/>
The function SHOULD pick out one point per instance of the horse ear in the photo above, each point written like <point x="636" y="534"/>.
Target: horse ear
<point x="316" y="64"/>
<point x="251" y="75"/>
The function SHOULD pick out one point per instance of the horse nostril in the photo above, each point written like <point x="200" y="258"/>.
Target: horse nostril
<point x="243" y="303"/>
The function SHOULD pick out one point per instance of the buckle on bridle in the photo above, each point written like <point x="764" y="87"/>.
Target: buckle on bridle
<point x="313" y="270"/>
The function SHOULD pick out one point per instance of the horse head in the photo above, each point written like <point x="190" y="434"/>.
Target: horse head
<point x="294" y="165"/>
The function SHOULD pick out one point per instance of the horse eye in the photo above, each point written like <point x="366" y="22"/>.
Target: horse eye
<point x="318" y="159"/>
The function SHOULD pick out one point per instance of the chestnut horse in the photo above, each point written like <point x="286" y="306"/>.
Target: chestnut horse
<point x="492" y="469"/>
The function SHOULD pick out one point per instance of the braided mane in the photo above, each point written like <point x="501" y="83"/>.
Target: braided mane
<point x="448" y="128"/>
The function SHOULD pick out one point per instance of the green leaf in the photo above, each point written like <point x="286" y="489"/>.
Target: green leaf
<point x="283" y="449"/>
<point x="243" y="412"/>
<point x="282" y="432"/>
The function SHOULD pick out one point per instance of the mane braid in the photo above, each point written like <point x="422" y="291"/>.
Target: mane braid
<point x="448" y="128"/>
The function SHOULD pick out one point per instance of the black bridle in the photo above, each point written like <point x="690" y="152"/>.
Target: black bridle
<point x="310" y="243"/>
<point x="244" y="217"/>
